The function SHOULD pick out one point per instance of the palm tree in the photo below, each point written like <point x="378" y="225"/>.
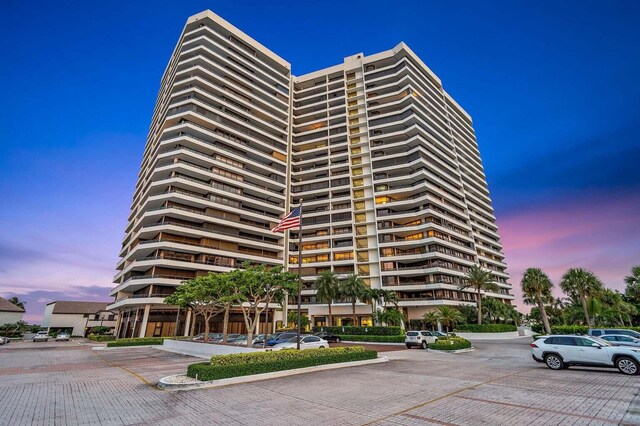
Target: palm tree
<point x="431" y="319"/>
<point x="580" y="284"/>
<point x="389" y="296"/>
<point x="536" y="287"/>
<point x="353" y="287"/>
<point x="377" y="296"/>
<point x="391" y="316"/>
<point x="633" y="283"/>
<point x="19" y="303"/>
<point x="371" y="296"/>
<point x="479" y="279"/>
<point x="327" y="289"/>
<point x="449" y="316"/>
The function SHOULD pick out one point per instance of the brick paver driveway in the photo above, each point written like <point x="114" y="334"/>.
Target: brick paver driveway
<point x="68" y="383"/>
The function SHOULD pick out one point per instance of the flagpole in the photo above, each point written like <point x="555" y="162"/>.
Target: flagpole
<point x="299" y="276"/>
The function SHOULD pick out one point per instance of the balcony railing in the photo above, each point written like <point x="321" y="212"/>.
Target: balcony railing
<point x="212" y="230"/>
<point x="142" y="296"/>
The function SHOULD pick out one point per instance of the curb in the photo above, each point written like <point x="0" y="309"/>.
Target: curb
<point x="162" y="384"/>
<point x="372" y="343"/>
<point x="104" y="348"/>
<point x="457" y="351"/>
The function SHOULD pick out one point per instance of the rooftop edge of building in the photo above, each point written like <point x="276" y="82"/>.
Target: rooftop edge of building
<point x="402" y="46"/>
<point x="238" y="32"/>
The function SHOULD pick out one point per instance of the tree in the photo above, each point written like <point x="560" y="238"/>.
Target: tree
<point x="470" y="313"/>
<point x="536" y="288"/>
<point x="449" y="316"/>
<point x="479" y="279"/>
<point x="391" y="316"/>
<point x="377" y="296"/>
<point x="327" y="289"/>
<point x="389" y="296"/>
<point x="202" y="294"/>
<point x="353" y="288"/>
<point x="19" y="303"/>
<point x="632" y="290"/>
<point x="257" y="286"/>
<point x="292" y="318"/>
<point x="580" y="284"/>
<point x="431" y="319"/>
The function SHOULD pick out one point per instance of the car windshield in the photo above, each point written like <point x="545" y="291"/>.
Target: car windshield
<point x="293" y="339"/>
<point x="412" y="333"/>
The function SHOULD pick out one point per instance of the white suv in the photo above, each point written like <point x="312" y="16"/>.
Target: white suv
<point x="420" y="338"/>
<point x="562" y="351"/>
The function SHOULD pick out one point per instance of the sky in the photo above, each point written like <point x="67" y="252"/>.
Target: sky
<point x="552" y="87"/>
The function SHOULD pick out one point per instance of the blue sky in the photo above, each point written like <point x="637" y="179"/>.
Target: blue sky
<point x="552" y="87"/>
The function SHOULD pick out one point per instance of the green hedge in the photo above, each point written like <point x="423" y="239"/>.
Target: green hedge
<point x="366" y="338"/>
<point x="136" y="342"/>
<point x="450" y="344"/>
<point x="244" y="364"/>
<point x="360" y="331"/>
<point x="101" y="337"/>
<point x="485" y="328"/>
<point x="569" y="329"/>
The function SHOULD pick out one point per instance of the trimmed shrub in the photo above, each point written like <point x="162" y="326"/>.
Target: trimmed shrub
<point x="244" y="364"/>
<point x="360" y="331"/>
<point x="101" y="337"/>
<point x="136" y="342"/>
<point x="367" y="338"/>
<point x="450" y="344"/>
<point x="101" y="329"/>
<point x="485" y="328"/>
<point x="569" y="329"/>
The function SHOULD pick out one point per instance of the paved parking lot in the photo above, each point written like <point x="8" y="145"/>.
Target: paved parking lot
<point x="69" y="383"/>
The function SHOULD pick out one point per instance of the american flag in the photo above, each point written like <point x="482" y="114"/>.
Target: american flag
<point x="292" y="220"/>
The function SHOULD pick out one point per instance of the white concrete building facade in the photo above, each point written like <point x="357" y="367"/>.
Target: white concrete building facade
<point x="385" y="160"/>
<point x="10" y="313"/>
<point x="77" y="317"/>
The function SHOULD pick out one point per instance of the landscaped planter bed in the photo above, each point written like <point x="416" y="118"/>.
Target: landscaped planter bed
<point x="235" y="365"/>
<point x="372" y="339"/>
<point x="450" y="344"/>
<point x="144" y="341"/>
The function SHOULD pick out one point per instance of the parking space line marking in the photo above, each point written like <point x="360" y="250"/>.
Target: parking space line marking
<point x="545" y="410"/>
<point x="438" y="422"/>
<point x="133" y="373"/>
<point x="454" y="393"/>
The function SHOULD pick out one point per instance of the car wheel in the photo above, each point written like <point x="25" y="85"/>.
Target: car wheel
<point x="337" y="340"/>
<point x="627" y="366"/>
<point x="424" y="345"/>
<point x="408" y="346"/>
<point x="321" y="347"/>
<point x="554" y="362"/>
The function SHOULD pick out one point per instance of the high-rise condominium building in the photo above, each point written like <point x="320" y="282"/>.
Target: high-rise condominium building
<point x="385" y="160"/>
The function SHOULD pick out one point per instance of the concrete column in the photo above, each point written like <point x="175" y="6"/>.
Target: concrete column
<point x="118" y="324"/>
<point x="145" y="319"/>
<point x="187" y="324"/>
<point x="126" y="330"/>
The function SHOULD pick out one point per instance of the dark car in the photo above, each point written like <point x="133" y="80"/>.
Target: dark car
<point x="329" y="337"/>
<point x="281" y="338"/>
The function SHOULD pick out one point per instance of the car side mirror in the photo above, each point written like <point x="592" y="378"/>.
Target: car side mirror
<point x="595" y="345"/>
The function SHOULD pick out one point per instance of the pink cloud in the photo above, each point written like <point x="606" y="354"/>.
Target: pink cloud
<point x="600" y="233"/>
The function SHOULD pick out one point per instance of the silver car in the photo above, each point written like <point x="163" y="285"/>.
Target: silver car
<point x="62" y="336"/>
<point x="41" y="336"/>
<point x="621" y="340"/>
<point x="306" y="342"/>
